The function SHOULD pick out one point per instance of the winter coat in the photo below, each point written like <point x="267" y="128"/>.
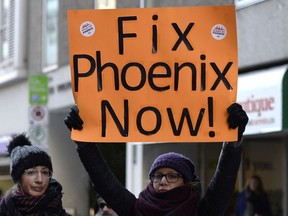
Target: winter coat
<point x="14" y="203"/>
<point x="123" y="202"/>
<point x="249" y="204"/>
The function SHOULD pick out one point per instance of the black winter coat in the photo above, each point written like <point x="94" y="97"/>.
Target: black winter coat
<point x="122" y="201"/>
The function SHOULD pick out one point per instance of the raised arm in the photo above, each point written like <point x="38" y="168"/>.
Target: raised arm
<point x="104" y="181"/>
<point x="221" y="186"/>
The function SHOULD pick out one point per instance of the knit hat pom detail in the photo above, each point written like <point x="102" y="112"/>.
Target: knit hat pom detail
<point x="20" y="140"/>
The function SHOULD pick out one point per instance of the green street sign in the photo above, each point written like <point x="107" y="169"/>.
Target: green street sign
<point x="38" y="89"/>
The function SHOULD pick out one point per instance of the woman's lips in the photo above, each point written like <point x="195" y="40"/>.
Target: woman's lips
<point x="37" y="189"/>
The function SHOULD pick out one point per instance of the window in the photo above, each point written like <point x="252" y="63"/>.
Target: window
<point x="6" y="32"/>
<point x="12" y="40"/>
<point x="162" y="3"/>
<point x="105" y="4"/>
<point x="50" y="35"/>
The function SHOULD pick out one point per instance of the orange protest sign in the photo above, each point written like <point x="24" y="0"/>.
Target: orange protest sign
<point x="152" y="75"/>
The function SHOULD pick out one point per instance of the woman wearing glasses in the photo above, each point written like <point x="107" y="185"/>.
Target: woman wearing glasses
<point x="174" y="188"/>
<point x="34" y="192"/>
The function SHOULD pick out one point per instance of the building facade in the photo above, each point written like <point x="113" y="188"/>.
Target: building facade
<point x="34" y="41"/>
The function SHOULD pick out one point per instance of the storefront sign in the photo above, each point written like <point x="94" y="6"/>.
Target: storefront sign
<point x="261" y="95"/>
<point x="152" y="75"/>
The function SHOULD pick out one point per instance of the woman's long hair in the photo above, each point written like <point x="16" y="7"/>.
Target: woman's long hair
<point x="259" y="189"/>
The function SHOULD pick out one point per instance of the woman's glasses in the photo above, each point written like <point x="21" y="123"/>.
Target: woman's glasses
<point x="34" y="172"/>
<point x="170" y="177"/>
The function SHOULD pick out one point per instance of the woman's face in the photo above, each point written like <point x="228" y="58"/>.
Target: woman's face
<point x="253" y="184"/>
<point x="35" y="181"/>
<point x="162" y="184"/>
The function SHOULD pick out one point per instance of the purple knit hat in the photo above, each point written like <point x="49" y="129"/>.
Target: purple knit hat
<point x="178" y="162"/>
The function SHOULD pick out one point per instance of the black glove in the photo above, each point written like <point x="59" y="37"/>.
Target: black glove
<point x="237" y="118"/>
<point x="73" y="120"/>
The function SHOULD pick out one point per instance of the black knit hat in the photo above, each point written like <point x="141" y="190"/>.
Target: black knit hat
<point x="176" y="161"/>
<point x="24" y="155"/>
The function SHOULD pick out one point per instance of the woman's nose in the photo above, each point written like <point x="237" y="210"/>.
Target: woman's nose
<point x="39" y="177"/>
<point x="163" y="180"/>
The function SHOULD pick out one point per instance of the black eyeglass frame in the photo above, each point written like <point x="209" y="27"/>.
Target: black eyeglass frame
<point x="32" y="172"/>
<point x="168" y="179"/>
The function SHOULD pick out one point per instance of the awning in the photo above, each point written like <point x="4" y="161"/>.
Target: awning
<point x="264" y="96"/>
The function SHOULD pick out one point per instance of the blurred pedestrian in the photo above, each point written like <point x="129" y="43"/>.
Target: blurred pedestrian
<point x="253" y="201"/>
<point x="35" y="192"/>
<point x="174" y="188"/>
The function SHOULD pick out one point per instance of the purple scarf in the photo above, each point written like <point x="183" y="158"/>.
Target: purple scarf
<point x="179" y="201"/>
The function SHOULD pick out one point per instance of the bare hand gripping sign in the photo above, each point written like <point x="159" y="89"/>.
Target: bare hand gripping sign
<point x="153" y="75"/>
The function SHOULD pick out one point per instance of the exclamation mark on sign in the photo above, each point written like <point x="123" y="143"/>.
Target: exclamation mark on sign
<point x="210" y="116"/>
